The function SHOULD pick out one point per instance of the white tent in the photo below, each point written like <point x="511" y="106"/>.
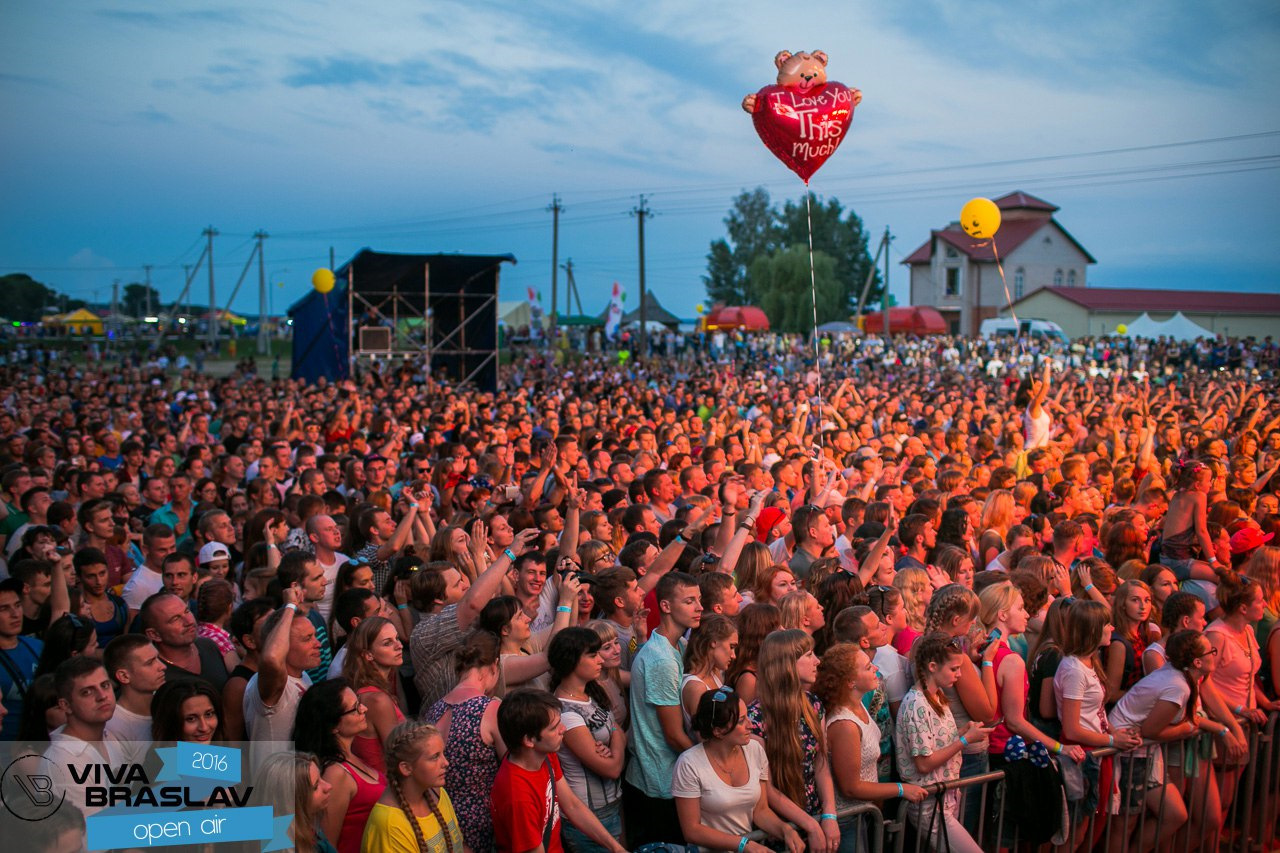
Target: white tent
<point x="1180" y="328"/>
<point x="1143" y="327"/>
<point x="1177" y="328"/>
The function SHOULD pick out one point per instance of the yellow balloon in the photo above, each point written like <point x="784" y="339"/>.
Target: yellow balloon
<point x="702" y="309"/>
<point x="322" y="280"/>
<point x="980" y="218"/>
<point x="1122" y="329"/>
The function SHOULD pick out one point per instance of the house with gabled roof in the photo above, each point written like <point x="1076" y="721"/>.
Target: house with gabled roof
<point x="958" y="275"/>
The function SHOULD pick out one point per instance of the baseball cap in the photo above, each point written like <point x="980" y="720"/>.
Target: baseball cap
<point x="769" y="517"/>
<point x="1247" y="538"/>
<point x="212" y="551"/>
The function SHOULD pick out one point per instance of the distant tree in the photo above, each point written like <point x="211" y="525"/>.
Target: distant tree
<point x="135" y="299"/>
<point x="843" y="239"/>
<point x="25" y="299"/>
<point x="756" y="229"/>
<point x="780" y="285"/>
<point x="753" y="231"/>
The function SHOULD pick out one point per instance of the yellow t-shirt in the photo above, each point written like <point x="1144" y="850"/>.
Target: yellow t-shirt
<point x="388" y="829"/>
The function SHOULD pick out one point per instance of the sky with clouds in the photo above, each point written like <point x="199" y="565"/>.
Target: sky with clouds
<point x="447" y="126"/>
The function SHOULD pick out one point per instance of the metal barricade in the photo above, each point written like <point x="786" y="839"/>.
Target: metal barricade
<point x="1189" y="767"/>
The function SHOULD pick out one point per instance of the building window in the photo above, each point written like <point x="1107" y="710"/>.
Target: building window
<point x="1018" y="281"/>
<point x="953" y="281"/>
<point x="1057" y="278"/>
<point x="952" y="253"/>
<point x="1071" y="278"/>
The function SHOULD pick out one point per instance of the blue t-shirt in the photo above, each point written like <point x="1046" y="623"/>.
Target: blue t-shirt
<point x="655" y="682"/>
<point x="21" y="659"/>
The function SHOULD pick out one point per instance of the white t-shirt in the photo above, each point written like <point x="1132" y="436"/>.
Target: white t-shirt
<point x="144" y="583"/>
<point x="592" y="789"/>
<point x="1075" y="679"/>
<point x="335" y="666"/>
<point x="324" y="605"/>
<point x="132" y="730"/>
<point x="1135" y="706"/>
<point x="723" y="806"/>
<point x="896" y="672"/>
<point x="1036" y="429"/>
<point x="270" y="725"/>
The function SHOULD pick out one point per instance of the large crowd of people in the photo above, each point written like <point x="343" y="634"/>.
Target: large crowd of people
<point x="728" y="595"/>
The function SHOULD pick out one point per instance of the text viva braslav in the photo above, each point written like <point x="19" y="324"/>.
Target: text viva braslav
<point x="128" y="785"/>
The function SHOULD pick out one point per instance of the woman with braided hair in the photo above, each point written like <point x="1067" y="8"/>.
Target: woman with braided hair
<point x="414" y="812"/>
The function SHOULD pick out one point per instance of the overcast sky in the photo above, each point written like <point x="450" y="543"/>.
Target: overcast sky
<point x="446" y="126"/>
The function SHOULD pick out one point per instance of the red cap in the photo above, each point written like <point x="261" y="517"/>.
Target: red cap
<point x="1247" y="538"/>
<point x="769" y="517"/>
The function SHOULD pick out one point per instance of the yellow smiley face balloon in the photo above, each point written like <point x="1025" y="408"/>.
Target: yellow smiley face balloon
<point x="980" y="218"/>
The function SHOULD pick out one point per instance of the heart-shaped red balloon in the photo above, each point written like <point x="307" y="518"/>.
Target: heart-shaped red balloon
<point x="803" y="129"/>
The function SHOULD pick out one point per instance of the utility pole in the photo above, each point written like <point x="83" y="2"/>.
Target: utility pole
<point x="115" y="305"/>
<point x="570" y="286"/>
<point x="884" y="295"/>
<point x="186" y="284"/>
<point x="555" y="209"/>
<point x="640" y="213"/>
<point x="212" y="232"/>
<point x="264" y="346"/>
<point x="147" y="293"/>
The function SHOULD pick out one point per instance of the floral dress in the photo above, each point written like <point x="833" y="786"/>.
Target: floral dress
<point x="473" y="765"/>
<point x="808" y="742"/>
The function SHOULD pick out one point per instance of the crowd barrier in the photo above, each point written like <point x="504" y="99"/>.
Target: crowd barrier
<point x="1248" y="826"/>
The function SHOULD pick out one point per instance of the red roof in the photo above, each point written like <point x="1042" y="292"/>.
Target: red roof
<point x="1012" y="234"/>
<point x="1163" y="301"/>
<point x="1019" y="199"/>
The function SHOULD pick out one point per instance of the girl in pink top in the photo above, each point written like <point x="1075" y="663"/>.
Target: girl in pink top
<point x="1239" y="659"/>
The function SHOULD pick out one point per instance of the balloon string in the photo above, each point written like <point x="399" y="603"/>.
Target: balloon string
<point x="333" y="336"/>
<point x="813" y="291"/>
<point x="1008" y="298"/>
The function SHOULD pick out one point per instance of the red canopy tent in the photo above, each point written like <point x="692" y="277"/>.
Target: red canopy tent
<point x="746" y="317"/>
<point x="907" y="320"/>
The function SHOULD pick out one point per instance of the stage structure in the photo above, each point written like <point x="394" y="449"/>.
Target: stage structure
<point x="441" y="309"/>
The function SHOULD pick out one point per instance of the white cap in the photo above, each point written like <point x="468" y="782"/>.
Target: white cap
<point x="212" y="551"/>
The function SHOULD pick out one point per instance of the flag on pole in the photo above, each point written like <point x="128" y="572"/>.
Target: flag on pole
<point x="614" y="320"/>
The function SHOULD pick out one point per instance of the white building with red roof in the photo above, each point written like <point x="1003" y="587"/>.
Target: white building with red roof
<point x="1098" y="311"/>
<point x="958" y="275"/>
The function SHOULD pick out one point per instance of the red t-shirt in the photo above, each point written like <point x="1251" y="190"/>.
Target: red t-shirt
<point x="522" y="805"/>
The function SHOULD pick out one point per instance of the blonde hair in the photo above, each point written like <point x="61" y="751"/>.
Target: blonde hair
<point x="794" y="605"/>
<point x="286" y="777"/>
<point x="915" y="587"/>
<point x="994" y="599"/>
<point x="997" y="512"/>
<point x="1263" y="566"/>
<point x="782" y="706"/>
<point x="949" y="603"/>
<point x="405" y="743"/>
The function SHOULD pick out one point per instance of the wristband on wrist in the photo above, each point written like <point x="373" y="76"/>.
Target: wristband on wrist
<point x="988" y="663"/>
<point x="900" y="789"/>
<point x="564" y="608"/>
<point x="1088" y="587"/>
<point x="402" y="607"/>
<point x="964" y="741"/>
<point x="510" y="554"/>
<point x="742" y="845"/>
<point x="1239" y="710"/>
<point x="292" y="606"/>
<point x="1057" y="748"/>
<point x="827" y="817"/>
<point x="1111" y="740"/>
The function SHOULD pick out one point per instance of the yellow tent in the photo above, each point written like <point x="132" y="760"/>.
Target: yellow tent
<point x="231" y="319"/>
<point x="81" y="321"/>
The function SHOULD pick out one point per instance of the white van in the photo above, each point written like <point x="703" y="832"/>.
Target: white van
<point x="1026" y="328"/>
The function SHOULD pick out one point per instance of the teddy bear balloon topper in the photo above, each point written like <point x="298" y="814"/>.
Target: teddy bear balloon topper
<point x="804" y="117"/>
